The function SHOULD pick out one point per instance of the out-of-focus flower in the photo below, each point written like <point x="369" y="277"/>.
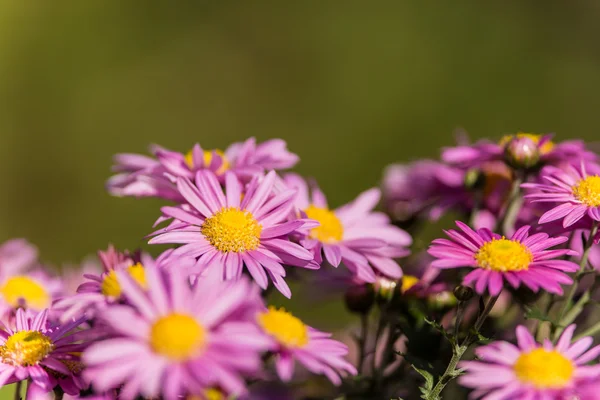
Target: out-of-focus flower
<point x="143" y="176"/>
<point x="522" y="259"/>
<point x="530" y="370"/>
<point x="363" y="240"/>
<point x="72" y="275"/>
<point x="292" y="340"/>
<point x="48" y="355"/>
<point x="176" y="339"/>
<point x="227" y="232"/>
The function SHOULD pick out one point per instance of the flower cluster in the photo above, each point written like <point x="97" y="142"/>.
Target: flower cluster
<point x="197" y="321"/>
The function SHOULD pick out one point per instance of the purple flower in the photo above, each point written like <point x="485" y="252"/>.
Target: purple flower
<point x="227" y="232"/>
<point x="293" y="340"/>
<point x="522" y="259"/>
<point x="143" y="176"/>
<point x="45" y="354"/>
<point x="176" y="339"/>
<point x="352" y="234"/>
<point x="530" y="370"/>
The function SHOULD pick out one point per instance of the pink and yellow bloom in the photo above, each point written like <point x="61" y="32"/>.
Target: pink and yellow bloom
<point x="353" y="234"/>
<point x="236" y="228"/>
<point x="522" y="259"/>
<point x="530" y="370"/>
<point x="292" y="341"/>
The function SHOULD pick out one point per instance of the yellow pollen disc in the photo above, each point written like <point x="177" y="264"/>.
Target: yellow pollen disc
<point x="535" y="138"/>
<point x="588" y="191"/>
<point x="331" y="229"/>
<point x="504" y="255"/>
<point x="544" y="369"/>
<point x="22" y="288"/>
<point x="284" y="327"/>
<point x="232" y="230"/>
<point x="26" y="348"/>
<point x="207" y="159"/>
<point x="110" y="285"/>
<point x="408" y="281"/>
<point x="177" y="337"/>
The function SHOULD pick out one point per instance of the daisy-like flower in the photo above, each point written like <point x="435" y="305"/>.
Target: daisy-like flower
<point x="176" y="339"/>
<point x="292" y="341"/>
<point x="576" y="193"/>
<point x="531" y="370"/>
<point x="34" y="290"/>
<point x="522" y="259"/>
<point x="352" y="234"/>
<point x="227" y="232"/>
<point x="143" y="176"/>
<point x="47" y="355"/>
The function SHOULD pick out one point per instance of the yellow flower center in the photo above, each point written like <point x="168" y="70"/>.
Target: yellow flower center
<point x="535" y="138"/>
<point x="588" y="191"/>
<point x="408" y="281"/>
<point x="504" y="255"/>
<point x="22" y="288"/>
<point x="110" y="285"/>
<point x="284" y="327"/>
<point x="330" y="229"/>
<point x="544" y="369"/>
<point x="26" y="348"/>
<point x="177" y="337"/>
<point x="232" y="229"/>
<point x="208" y="156"/>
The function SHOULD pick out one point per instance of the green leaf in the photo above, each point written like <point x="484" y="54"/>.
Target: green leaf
<point x="536" y="313"/>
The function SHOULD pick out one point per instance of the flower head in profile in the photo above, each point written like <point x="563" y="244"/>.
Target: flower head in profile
<point x="292" y="341"/>
<point x="175" y="339"/>
<point x="143" y="176"/>
<point x="234" y="229"/>
<point x="522" y="259"/>
<point x="531" y="370"/>
<point x="353" y="234"/>
<point x="48" y="355"/>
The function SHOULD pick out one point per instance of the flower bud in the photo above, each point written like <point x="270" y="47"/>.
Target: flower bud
<point x="463" y="293"/>
<point x="474" y="179"/>
<point x="522" y="152"/>
<point x="442" y="300"/>
<point x="360" y="299"/>
<point x="385" y="289"/>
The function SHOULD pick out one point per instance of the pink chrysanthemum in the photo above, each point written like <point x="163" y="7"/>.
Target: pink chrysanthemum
<point x="576" y="193"/>
<point x="175" y="339"/>
<point x="143" y="176"/>
<point x="228" y="232"/>
<point x="46" y="355"/>
<point x="293" y="340"/>
<point x="33" y="290"/>
<point x="530" y="370"/>
<point x="352" y="234"/>
<point x="522" y="259"/>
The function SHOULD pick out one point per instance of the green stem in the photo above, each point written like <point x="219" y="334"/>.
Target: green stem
<point x="362" y="341"/>
<point x="591" y="331"/>
<point x="18" y="390"/>
<point x="515" y="201"/>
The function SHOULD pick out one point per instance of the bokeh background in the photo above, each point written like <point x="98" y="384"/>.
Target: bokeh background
<point x="351" y="85"/>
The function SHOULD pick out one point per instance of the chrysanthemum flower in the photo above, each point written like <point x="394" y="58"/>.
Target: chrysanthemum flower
<point x="143" y="176"/>
<point x="227" y="232"/>
<point x="576" y="193"/>
<point x="352" y="234"/>
<point x="176" y="340"/>
<point x="530" y="370"/>
<point x="522" y="259"/>
<point x="46" y="355"/>
<point x="292" y="341"/>
<point x="32" y="290"/>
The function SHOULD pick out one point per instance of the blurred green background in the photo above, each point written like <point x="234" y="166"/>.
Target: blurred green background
<point x="351" y="85"/>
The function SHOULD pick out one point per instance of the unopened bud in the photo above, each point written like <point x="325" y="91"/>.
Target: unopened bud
<point x="442" y="300"/>
<point x="385" y="289"/>
<point x="522" y="152"/>
<point x="474" y="179"/>
<point x="463" y="293"/>
<point x="360" y="299"/>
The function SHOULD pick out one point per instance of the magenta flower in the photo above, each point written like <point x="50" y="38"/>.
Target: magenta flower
<point x="293" y="340"/>
<point x="143" y="176"/>
<point x="352" y="234"/>
<point x="33" y="290"/>
<point x="176" y="340"/>
<point x="530" y="370"/>
<point x="576" y="194"/>
<point x="225" y="232"/>
<point x="47" y="355"/>
<point x="522" y="259"/>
